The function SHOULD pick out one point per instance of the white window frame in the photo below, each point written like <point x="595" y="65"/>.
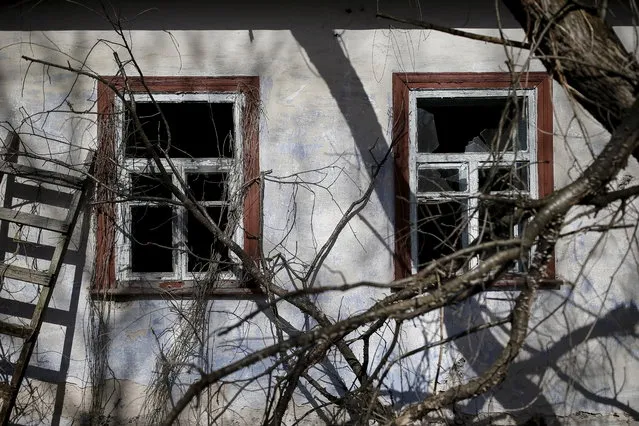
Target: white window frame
<point x="468" y="163"/>
<point x="232" y="166"/>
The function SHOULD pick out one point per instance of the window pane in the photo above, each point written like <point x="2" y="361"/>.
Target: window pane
<point x="202" y="244"/>
<point x="504" y="178"/>
<point x="151" y="239"/>
<point x="441" y="229"/>
<point x="458" y="125"/>
<point x="149" y="185"/>
<point x="198" y="129"/>
<point x="208" y="186"/>
<point x="497" y="221"/>
<point x="440" y="180"/>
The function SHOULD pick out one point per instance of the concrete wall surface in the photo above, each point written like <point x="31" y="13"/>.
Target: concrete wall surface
<point x="325" y="118"/>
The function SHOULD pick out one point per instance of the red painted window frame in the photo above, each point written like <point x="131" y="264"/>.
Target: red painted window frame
<point x="403" y="83"/>
<point x="105" y="281"/>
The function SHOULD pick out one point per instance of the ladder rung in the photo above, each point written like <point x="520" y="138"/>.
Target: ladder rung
<point x="33" y="220"/>
<point x="28" y="248"/>
<point x="40" y="194"/>
<point x="16" y="330"/>
<point x="15" y="308"/>
<point x="5" y="390"/>
<point x="41" y="175"/>
<point x="25" y="274"/>
<point x="37" y="373"/>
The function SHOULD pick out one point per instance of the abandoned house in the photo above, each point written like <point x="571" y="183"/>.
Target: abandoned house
<point x="170" y="170"/>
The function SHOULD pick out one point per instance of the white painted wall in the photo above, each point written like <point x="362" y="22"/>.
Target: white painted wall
<point x="326" y="99"/>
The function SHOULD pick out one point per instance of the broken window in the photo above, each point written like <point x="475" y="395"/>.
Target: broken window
<point x="198" y="138"/>
<point x="467" y="143"/>
<point x="457" y="136"/>
<point x="205" y="130"/>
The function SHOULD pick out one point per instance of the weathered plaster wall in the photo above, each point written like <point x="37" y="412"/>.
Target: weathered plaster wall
<point x="326" y="100"/>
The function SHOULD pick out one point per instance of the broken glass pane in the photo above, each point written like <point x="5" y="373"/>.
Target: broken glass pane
<point x="459" y="125"/>
<point x="151" y="239"/>
<point x="198" y="129"/>
<point x="149" y="185"/>
<point x="498" y="221"/>
<point x="208" y="186"/>
<point x="202" y="244"/>
<point x="440" y="180"/>
<point x="426" y="131"/>
<point x="441" y="229"/>
<point x="504" y="178"/>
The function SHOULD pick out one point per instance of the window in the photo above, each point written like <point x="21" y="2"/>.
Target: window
<point x="457" y="136"/>
<point x="147" y="242"/>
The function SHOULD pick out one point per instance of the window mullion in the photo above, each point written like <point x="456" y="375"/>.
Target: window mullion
<point x="532" y="145"/>
<point x="126" y="239"/>
<point x="180" y="244"/>
<point x="123" y="239"/>
<point x="412" y="177"/>
<point x="473" y="205"/>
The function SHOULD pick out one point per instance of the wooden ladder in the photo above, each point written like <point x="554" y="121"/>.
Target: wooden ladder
<point x="46" y="279"/>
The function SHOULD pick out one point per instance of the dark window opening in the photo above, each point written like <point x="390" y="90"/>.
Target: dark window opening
<point x="151" y="232"/>
<point x="499" y="221"/>
<point x="440" y="180"/>
<point x="149" y="185"/>
<point x="462" y="125"/>
<point x="208" y="186"/>
<point x="504" y="178"/>
<point x="202" y="244"/>
<point x="441" y="229"/>
<point x="198" y="129"/>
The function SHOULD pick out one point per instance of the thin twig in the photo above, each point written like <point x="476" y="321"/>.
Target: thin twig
<point x="460" y="33"/>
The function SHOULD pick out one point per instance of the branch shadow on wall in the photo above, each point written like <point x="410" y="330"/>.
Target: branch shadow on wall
<point x="353" y="101"/>
<point x="519" y="393"/>
<point x="369" y="139"/>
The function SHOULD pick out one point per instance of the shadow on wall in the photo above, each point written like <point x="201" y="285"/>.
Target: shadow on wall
<point x="63" y="318"/>
<point x="519" y="392"/>
<point x="335" y="68"/>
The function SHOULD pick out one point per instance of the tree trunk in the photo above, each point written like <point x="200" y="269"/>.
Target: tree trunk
<point x="582" y="52"/>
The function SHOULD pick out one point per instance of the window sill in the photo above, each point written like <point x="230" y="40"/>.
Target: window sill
<point x="166" y="290"/>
